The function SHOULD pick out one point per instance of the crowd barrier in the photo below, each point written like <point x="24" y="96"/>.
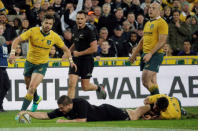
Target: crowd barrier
<point x="118" y="61"/>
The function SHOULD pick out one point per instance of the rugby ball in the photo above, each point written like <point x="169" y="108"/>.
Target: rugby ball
<point x="25" y="118"/>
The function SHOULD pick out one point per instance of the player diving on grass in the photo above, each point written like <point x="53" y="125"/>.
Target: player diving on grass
<point x="41" y="39"/>
<point x="79" y="110"/>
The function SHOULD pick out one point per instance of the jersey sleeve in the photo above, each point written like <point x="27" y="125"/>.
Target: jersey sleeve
<point x="58" y="41"/>
<point x="26" y="35"/>
<point x="92" y="35"/>
<point x="153" y="98"/>
<point x="163" y="28"/>
<point x="54" y="114"/>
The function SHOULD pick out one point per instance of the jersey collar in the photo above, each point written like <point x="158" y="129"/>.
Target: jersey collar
<point x="155" y="18"/>
<point x="44" y="34"/>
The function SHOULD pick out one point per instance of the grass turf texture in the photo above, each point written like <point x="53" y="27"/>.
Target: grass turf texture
<point x="7" y="121"/>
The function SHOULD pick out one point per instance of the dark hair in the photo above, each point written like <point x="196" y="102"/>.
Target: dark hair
<point x="64" y="100"/>
<point x="162" y="103"/>
<point x="176" y="11"/>
<point x="82" y="12"/>
<point x="47" y="16"/>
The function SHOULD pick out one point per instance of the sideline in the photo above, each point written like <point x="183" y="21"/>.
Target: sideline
<point x="90" y="129"/>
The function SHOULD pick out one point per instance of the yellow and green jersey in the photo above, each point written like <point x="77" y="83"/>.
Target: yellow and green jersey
<point x="152" y="30"/>
<point x="40" y="44"/>
<point x="173" y="110"/>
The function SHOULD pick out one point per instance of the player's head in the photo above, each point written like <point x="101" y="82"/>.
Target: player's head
<point x="154" y="10"/>
<point x="65" y="104"/>
<point x="81" y="19"/>
<point x="47" y="23"/>
<point x="162" y="103"/>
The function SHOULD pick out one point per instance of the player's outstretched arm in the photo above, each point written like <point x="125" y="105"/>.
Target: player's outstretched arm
<point x="36" y="115"/>
<point x="74" y="120"/>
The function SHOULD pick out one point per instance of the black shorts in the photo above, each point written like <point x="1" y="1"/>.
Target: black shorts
<point x="113" y="113"/>
<point x="84" y="67"/>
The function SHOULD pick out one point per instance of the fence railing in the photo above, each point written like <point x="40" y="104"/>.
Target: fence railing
<point x="117" y="61"/>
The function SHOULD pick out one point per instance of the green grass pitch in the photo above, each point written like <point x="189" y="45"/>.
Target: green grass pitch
<point x="7" y="121"/>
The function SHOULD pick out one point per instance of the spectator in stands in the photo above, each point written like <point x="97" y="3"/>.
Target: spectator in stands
<point x="41" y="14"/>
<point x="69" y="17"/>
<point x="92" y="18"/>
<point x="57" y="24"/>
<point x="24" y="45"/>
<point x="53" y="53"/>
<point x="95" y="3"/>
<point x="126" y="28"/>
<point x="58" y="7"/>
<point x="19" y="53"/>
<point x="132" y="21"/>
<point x="106" y="20"/>
<point x="67" y="38"/>
<point x="98" y="12"/>
<point x="17" y="25"/>
<point x="167" y="14"/>
<point x="9" y="32"/>
<point x="117" y="4"/>
<point x="187" y="49"/>
<point x="144" y="4"/>
<point x="178" y="32"/>
<point x="176" y="5"/>
<point x="117" y="42"/>
<point x="133" y="6"/>
<point x="140" y="21"/>
<point x="88" y="6"/>
<point x="32" y="14"/>
<point x="105" y="52"/>
<point x="119" y="17"/>
<point x="167" y="50"/>
<point x="185" y="11"/>
<point x="45" y="5"/>
<point x="194" y="32"/>
<point x="130" y="44"/>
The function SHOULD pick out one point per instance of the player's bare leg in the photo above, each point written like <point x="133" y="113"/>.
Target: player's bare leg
<point x="149" y="81"/>
<point x="138" y="112"/>
<point x="35" y="81"/>
<point x="73" y="79"/>
<point x="87" y="86"/>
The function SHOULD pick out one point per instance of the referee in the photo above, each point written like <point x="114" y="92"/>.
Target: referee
<point x="84" y="46"/>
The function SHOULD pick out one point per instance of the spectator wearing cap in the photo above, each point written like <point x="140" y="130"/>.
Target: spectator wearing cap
<point x="92" y="18"/>
<point x="9" y="32"/>
<point x="117" y="42"/>
<point x="107" y="20"/>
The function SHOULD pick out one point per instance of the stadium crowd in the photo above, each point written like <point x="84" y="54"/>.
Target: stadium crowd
<point x="118" y="23"/>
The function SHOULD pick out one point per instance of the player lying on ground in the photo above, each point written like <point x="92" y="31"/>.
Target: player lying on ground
<point x="80" y="110"/>
<point x="163" y="107"/>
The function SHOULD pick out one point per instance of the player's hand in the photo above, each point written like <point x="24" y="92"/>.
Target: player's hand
<point x="73" y="65"/>
<point x="147" y="57"/>
<point x="146" y="117"/>
<point x="11" y="59"/>
<point x="60" y="121"/>
<point x="76" y="54"/>
<point x="132" y="59"/>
